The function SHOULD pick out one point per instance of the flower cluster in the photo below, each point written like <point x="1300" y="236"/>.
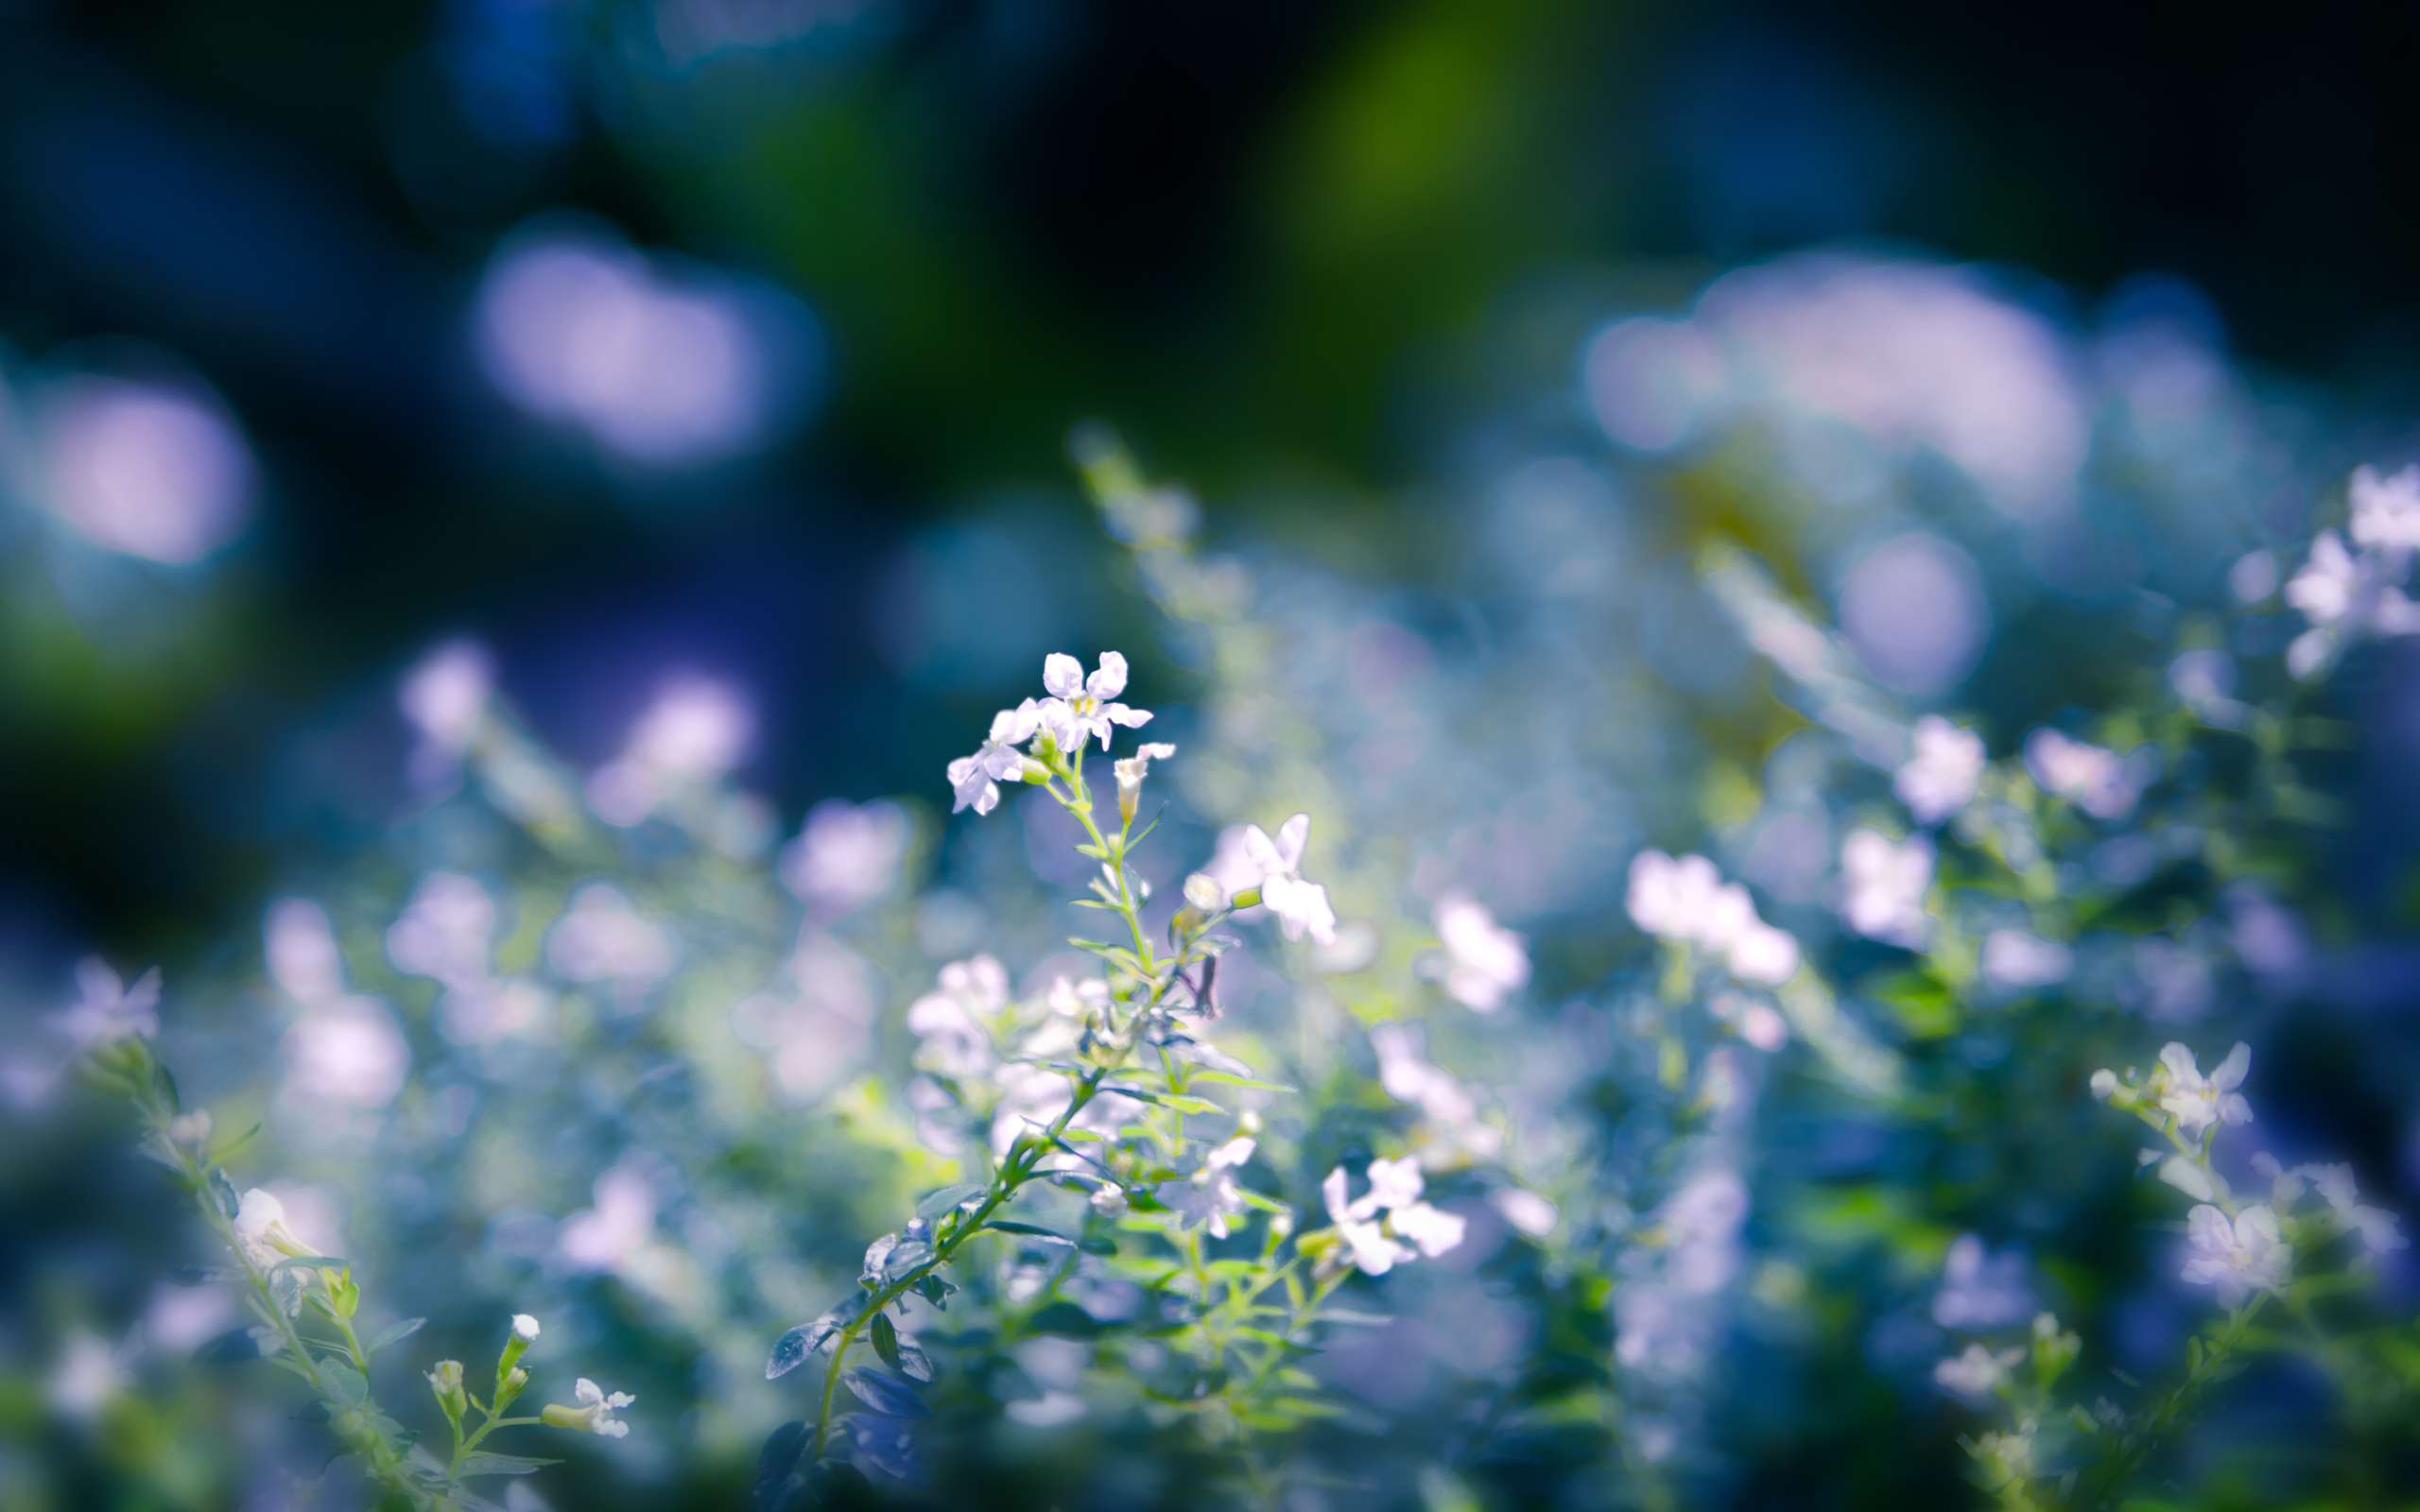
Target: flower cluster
<point x="1686" y="901"/>
<point x="1388" y="1224"/>
<point x="2346" y="591"/>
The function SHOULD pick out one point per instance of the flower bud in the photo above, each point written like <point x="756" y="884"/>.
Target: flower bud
<point x="1203" y="891"/>
<point x="191" y="1128"/>
<point x="445" y="1381"/>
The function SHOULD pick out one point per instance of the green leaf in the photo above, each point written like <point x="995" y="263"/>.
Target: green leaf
<point x="1187" y="1103"/>
<point x="937" y="1203"/>
<point x="395" y="1335"/>
<point x="1230" y="1080"/>
<point x="1031" y="1230"/>
<point x="237" y="1143"/>
<point x="344" y="1383"/>
<point x="222" y="1192"/>
<point x="483" y="1463"/>
<point x="885" y="1339"/>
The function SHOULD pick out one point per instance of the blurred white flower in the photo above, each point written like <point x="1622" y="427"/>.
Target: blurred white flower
<point x="1432" y="1230"/>
<point x="347" y="1050"/>
<point x="1526" y="1210"/>
<point x="1488" y="962"/>
<point x="1655" y="383"/>
<point x="444" y="932"/>
<point x="2014" y="958"/>
<point x="2100" y="783"/>
<point x="89" y="1372"/>
<point x="2377" y="1228"/>
<point x="1884" y="886"/>
<point x="953" y="1020"/>
<point x="1687" y="900"/>
<point x="2342" y="595"/>
<point x="2386" y="512"/>
<point x="607" y="1236"/>
<point x="2237" y="1258"/>
<point x="847" y="855"/>
<point x="2205" y="679"/>
<point x="594" y="1414"/>
<point x="1301" y="906"/>
<point x="1913" y="611"/>
<point x="1210" y="1198"/>
<point x="1980" y="1290"/>
<point x="1079" y="708"/>
<point x="445" y="697"/>
<point x="697" y="730"/>
<point x="1972" y="1377"/>
<point x="146" y="470"/>
<point x="974" y="780"/>
<point x="1940" y="774"/>
<point x="602" y="938"/>
<point x="2253" y="578"/>
<point x="1365" y="1241"/>
<point x="2199" y="1101"/>
<point x="105" y="1009"/>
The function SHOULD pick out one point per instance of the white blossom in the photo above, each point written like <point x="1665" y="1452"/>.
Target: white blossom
<point x="2199" y="1101"/>
<point x="1884" y="886"/>
<point x="2377" y="1228"/>
<point x="594" y="1414"/>
<point x="106" y="1008"/>
<point x="1488" y="962"/>
<point x="1079" y="707"/>
<point x="1972" y="1377"/>
<point x="1980" y="1290"/>
<point x="2015" y="958"/>
<point x="974" y="780"/>
<point x="1212" y="1196"/>
<point x="847" y="855"/>
<point x="2342" y="593"/>
<point x="2100" y="783"/>
<point x="1367" y="1243"/>
<point x="260" y="1230"/>
<point x="1132" y="770"/>
<point x="953" y="1020"/>
<point x="1432" y="1230"/>
<point x="1687" y="900"/>
<point x="1526" y="1210"/>
<point x="1939" y="777"/>
<point x="90" y="1372"/>
<point x="1301" y="908"/>
<point x="2237" y="1258"/>
<point x="525" y="1328"/>
<point x="1378" y="1246"/>
<point x="2386" y="512"/>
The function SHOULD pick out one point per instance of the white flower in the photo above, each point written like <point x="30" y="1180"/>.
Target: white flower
<point x="2386" y="512"/>
<point x="525" y="1328"/>
<point x="2236" y="1259"/>
<point x="2014" y="958"/>
<point x="1204" y="893"/>
<point x="1212" y="1197"/>
<point x="90" y="1372"/>
<point x="1526" y="1210"/>
<point x="1980" y="1290"/>
<point x="2104" y="1085"/>
<point x="847" y="855"/>
<point x="1974" y="1375"/>
<point x="1371" y="1248"/>
<point x="1131" y="771"/>
<point x="1301" y="906"/>
<point x="1939" y="778"/>
<point x="2341" y="592"/>
<point x="2198" y="1100"/>
<point x="1489" y="962"/>
<point x="1432" y="1230"/>
<point x="1080" y="707"/>
<point x="105" y="1009"/>
<point x="953" y="1020"/>
<point x="2377" y="1228"/>
<point x="2329" y="584"/>
<point x="974" y="780"/>
<point x="260" y="1229"/>
<point x="1885" y="885"/>
<point x="1687" y="900"/>
<point x="594" y="1414"/>
<point x="2100" y="783"/>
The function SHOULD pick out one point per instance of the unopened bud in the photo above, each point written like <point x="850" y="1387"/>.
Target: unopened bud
<point x="446" y="1383"/>
<point x="1203" y="891"/>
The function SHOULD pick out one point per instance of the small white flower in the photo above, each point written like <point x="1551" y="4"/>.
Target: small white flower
<point x="2198" y="1100"/>
<point x="525" y="1328"/>
<point x="1939" y="777"/>
<point x="1980" y="1290"/>
<point x="974" y="780"/>
<point x="1488" y="962"/>
<point x="105" y="1009"/>
<point x="2329" y="584"/>
<point x="2386" y="512"/>
<point x="1526" y="1210"/>
<point x="1685" y="899"/>
<point x="594" y="1414"/>
<point x="1212" y="1197"/>
<point x="1974" y="1375"/>
<point x="2377" y="1228"/>
<point x="1371" y="1248"/>
<point x="2014" y="958"/>
<point x="1131" y="771"/>
<point x="1763" y="954"/>
<point x="1080" y="707"/>
<point x="2100" y="783"/>
<point x="1301" y="908"/>
<point x="2237" y="1258"/>
<point x="1432" y="1230"/>
<point x="1884" y="887"/>
<point x="953" y="1020"/>
<point x="260" y="1229"/>
<point x="1204" y="893"/>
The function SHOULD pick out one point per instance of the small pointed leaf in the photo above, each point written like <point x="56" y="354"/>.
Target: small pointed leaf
<point x="888" y="1448"/>
<point x="395" y="1335"/>
<point x="937" y="1203"/>
<point x="884" y="1394"/>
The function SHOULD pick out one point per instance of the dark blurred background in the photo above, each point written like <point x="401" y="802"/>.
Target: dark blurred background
<point x="1280" y="244"/>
